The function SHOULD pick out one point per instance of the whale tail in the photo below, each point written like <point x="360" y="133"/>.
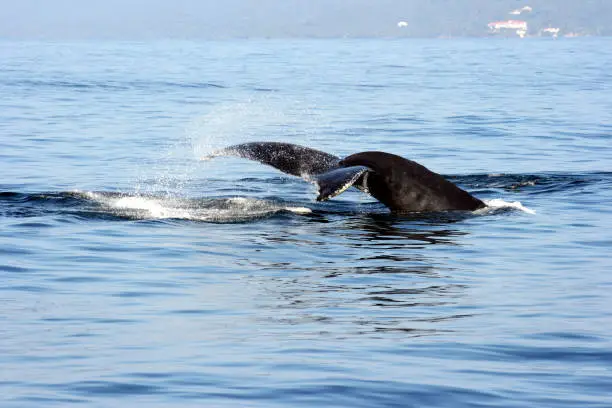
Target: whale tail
<point x="291" y="159"/>
<point x="400" y="184"/>
<point x="337" y="181"/>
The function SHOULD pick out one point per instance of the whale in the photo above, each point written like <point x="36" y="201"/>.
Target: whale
<point x="402" y="185"/>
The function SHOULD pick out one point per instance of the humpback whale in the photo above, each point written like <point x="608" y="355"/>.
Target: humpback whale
<point x="400" y="184"/>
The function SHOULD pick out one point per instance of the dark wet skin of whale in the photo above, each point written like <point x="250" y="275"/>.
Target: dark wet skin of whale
<point x="400" y="184"/>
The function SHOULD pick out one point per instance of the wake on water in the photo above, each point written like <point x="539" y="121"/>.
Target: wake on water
<point x="91" y="204"/>
<point x="233" y="209"/>
<point x="492" y="189"/>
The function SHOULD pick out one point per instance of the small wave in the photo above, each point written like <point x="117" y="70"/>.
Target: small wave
<point x="110" y="85"/>
<point x="497" y="204"/>
<point x="543" y="183"/>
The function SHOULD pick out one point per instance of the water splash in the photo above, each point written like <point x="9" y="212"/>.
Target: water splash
<point x="236" y="122"/>
<point x="497" y="203"/>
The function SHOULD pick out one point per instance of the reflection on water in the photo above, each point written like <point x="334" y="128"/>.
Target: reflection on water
<point x="362" y="275"/>
<point x="409" y="229"/>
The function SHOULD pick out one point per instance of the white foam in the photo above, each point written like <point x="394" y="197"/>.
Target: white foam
<point x="497" y="203"/>
<point x="216" y="210"/>
<point x="299" y="210"/>
<point x="154" y="208"/>
<point x="261" y="207"/>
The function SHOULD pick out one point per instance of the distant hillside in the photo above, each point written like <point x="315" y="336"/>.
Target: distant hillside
<point x="435" y="18"/>
<point x="143" y="19"/>
<point x="438" y="18"/>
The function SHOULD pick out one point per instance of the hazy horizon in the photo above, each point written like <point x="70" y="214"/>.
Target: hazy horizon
<point x="192" y="19"/>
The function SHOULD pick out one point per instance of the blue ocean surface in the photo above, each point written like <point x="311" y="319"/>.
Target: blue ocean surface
<point x="134" y="274"/>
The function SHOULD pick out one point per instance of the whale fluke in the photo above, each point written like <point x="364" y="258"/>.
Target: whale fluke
<point x="401" y="184"/>
<point x="337" y="181"/>
<point x="292" y="159"/>
<point x="405" y="185"/>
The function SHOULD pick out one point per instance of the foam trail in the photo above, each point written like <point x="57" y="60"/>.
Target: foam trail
<point x="155" y="208"/>
<point x="498" y="203"/>
<point x="212" y="210"/>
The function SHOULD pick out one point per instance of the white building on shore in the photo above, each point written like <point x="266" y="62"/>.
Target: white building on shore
<point x="518" y="26"/>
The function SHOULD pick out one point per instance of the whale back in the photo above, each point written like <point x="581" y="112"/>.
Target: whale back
<point x="404" y="185"/>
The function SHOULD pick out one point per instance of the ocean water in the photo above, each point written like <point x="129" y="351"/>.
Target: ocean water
<point x="134" y="274"/>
